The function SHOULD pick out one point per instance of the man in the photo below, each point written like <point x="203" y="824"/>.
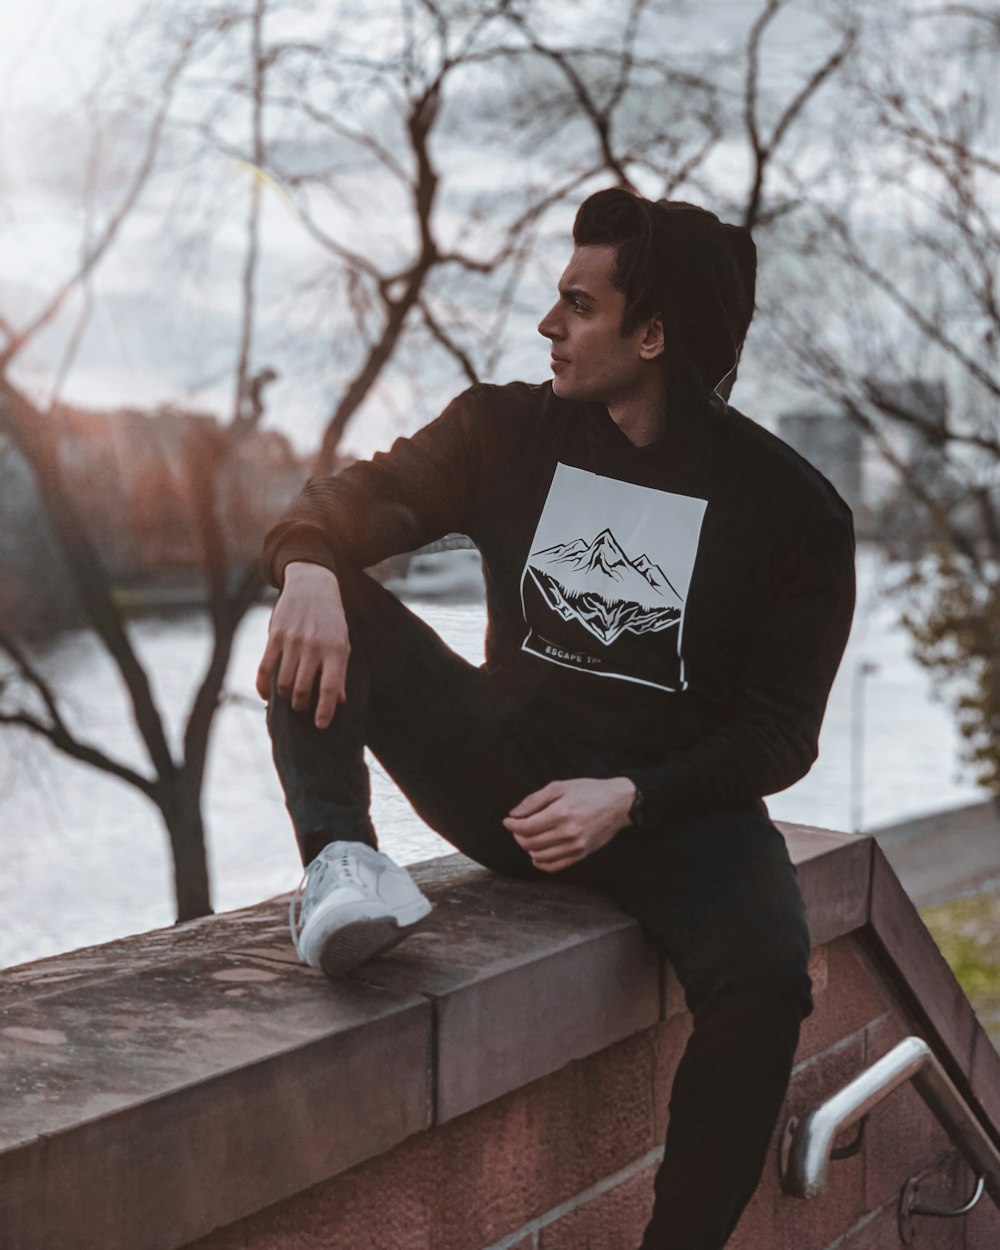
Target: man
<point x="669" y="592"/>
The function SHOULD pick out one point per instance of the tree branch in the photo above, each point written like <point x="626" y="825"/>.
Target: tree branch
<point x="34" y="435"/>
<point x="58" y="732"/>
<point x="763" y="152"/>
<point x="207" y="698"/>
<point x="94" y="254"/>
<point x="598" y="118"/>
<point x="448" y="343"/>
<point x="932" y="331"/>
<point x="247" y="285"/>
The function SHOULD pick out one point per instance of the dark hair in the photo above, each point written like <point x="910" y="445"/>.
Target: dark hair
<point x="682" y="261"/>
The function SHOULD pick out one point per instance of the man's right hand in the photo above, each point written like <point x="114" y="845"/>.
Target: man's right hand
<point x="307" y="633"/>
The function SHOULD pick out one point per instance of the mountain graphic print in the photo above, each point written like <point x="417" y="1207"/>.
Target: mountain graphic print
<point x="606" y="591"/>
<point x="611" y="604"/>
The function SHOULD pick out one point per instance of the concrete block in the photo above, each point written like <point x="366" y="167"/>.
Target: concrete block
<point x="671" y="1039"/>
<point x="388" y="1201"/>
<point x="982" y="1224"/>
<point x="942" y="1184"/>
<point x="453" y="1189"/>
<point x="755" y="1229"/>
<point x="199" y="1082"/>
<point x="902" y="1136"/>
<point x="949" y="1183"/>
<point x="513" y="1160"/>
<point x="234" y="1237"/>
<point x="500" y="956"/>
<point x="919" y="969"/>
<point x="834" y="871"/>
<point x="986" y="1076"/>
<point x="803" y="1224"/>
<point x="846" y="994"/>
<point x="118" y="1098"/>
<point x="876" y="1230"/>
<point x="262" y="924"/>
<point x="481" y="1176"/>
<point x="612" y="1220"/>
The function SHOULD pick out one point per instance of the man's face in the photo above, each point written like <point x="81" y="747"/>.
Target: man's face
<point x="591" y="359"/>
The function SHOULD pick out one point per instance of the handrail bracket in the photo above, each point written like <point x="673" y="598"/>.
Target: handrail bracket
<point x="909" y="1207"/>
<point x="807" y="1145"/>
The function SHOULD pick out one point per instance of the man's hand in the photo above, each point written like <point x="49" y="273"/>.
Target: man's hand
<point x="307" y="633"/>
<point x="568" y="820"/>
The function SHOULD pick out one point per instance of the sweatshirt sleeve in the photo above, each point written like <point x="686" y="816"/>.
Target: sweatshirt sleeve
<point x="419" y="490"/>
<point x="772" y="737"/>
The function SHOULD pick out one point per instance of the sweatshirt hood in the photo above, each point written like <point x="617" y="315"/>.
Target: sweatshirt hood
<point x="707" y="270"/>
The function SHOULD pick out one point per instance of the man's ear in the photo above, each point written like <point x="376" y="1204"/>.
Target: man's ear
<point x="651" y="344"/>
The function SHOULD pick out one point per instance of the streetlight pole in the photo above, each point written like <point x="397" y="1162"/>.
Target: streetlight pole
<point x="862" y="670"/>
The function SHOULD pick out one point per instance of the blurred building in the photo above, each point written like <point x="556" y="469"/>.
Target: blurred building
<point x="139" y="481"/>
<point x="913" y="415"/>
<point x="915" y="410"/>
<point x="831" y="443"/>
<point x="34" y="585"/>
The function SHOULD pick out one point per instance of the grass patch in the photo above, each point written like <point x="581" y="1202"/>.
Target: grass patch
<point x="967" y="932"/>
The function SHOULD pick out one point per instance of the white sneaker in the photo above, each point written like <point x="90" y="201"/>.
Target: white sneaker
<point x="355" y="902"/>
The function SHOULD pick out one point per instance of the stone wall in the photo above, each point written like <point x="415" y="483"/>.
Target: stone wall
<point x="500" y="1081"/>
<point x="567" y="1162"/>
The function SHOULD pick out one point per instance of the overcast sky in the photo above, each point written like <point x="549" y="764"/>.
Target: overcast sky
<point x="161" y="330"/>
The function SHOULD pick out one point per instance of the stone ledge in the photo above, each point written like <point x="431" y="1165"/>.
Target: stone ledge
<point x="137" y="1069"/>
<point x="523" y="979"/>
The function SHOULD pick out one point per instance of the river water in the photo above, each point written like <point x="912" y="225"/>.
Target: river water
<point x="85" y="857"/>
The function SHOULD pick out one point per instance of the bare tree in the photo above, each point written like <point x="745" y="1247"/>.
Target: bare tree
<point x="403" y="93"/>
<point x="906" y="341"/>
<point x="449" y="81"/>
<point x="373" y="151"/>
<point x="174" y="785"/>
<point x="763" y="148"/>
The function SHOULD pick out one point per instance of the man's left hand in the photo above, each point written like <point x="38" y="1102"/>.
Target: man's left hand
<point x="568" y="820"/>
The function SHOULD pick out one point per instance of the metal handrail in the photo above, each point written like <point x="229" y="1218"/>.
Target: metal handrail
<point x="807" y="1146"/>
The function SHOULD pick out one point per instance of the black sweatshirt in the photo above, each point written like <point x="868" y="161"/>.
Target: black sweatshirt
<point x="680" y="607"/>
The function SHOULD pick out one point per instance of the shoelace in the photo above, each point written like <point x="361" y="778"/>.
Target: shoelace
<point x="315" y="873"/>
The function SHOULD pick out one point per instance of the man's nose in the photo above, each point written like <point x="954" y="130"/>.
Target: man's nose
<point x="548" y="326"/>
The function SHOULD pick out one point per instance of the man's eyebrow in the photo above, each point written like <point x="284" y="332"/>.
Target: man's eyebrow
<point x="575" y="292"/>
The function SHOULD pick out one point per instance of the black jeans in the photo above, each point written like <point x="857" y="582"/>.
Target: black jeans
<point x="717" y="892"/>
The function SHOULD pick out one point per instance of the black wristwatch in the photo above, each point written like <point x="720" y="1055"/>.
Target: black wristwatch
<point x="637" y="812"/>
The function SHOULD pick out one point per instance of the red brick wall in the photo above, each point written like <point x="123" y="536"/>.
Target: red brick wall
<point x="567" y="1162"/>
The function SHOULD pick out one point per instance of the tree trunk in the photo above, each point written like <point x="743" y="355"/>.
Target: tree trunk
<point x="180" y="804"/>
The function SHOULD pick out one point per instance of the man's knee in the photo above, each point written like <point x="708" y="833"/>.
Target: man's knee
<point x="361" y="594"/>
<point x="781" y="991"/>
<point x="791" y="987"/>
<point x="279" y="706"/>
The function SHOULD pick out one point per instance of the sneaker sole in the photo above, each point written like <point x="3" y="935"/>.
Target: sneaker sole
<point x="353" y="944"/>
